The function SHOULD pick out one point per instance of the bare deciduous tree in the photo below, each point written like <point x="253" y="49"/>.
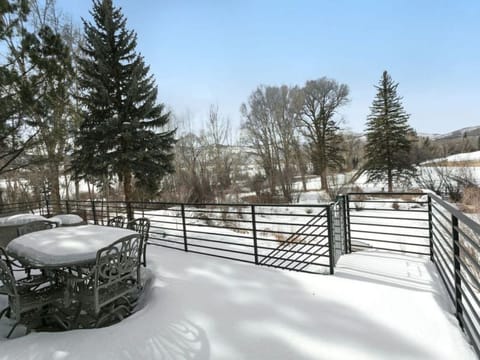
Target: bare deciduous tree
<point x="271" y="127"/>
<point x="322" y="99"/>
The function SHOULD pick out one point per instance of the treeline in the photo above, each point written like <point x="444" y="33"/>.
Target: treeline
<point x="79" y="106"/>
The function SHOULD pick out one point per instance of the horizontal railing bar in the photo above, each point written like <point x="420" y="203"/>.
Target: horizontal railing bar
<point x="391" y="210"/>
<point x="442" y="224"/>
<point x="287" y="251"/>
<point x="448" y="286"/>
<point x="218" y="249"/>
<point x="286" y="242"/>
<point x="448" y="254"/>
<point x="389" y="225"/>
<point x="471" y="328"/>
<point x="155" y="242"/>
<point x="392" y="234"/>
<point x="193" y="238"/>
<point x="447" y="266"/>
<point x="190" y="225"/>
<point x="460" y="216"/>
<point x="441" y="213"/>
<point x="168" y="247"/>
<point x="316" y="256"/>
<point x="391" y="242"/>
<point x="289" y="223"/>
<point x="304" y="271"/>
<point x="389" y="194"/>
<point x="470" y="242"/>
<point x="275" y="258"/>
<point x="375" y="201"/>
<point x="467" y="283"/>
<point x="441" y="236"/>
<point x="387" y="249"/>
<point x="387" y="218"/>
<point x="474" y="261"/>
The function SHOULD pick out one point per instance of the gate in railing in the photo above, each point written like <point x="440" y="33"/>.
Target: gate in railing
<point x="304" y="247"/>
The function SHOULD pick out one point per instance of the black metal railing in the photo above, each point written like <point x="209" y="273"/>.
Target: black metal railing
<point x="423" y="224"/>
<point x="456" y="254"/>
<point x="293" y="237"/>
<point x="396" y="222"/>
<point x="311" y="238"/>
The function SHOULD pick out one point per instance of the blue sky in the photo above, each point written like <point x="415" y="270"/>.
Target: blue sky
<point x="204" y="52"/>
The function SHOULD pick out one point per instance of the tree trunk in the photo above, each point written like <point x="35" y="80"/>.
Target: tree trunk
<point x="127" y="190"/>
<point x="54" y="179"/>
<point x="323" y="179"/>
<point x="390" y="182"/>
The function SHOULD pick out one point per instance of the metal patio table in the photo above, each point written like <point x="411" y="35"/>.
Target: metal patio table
<point x="65" y="255"/>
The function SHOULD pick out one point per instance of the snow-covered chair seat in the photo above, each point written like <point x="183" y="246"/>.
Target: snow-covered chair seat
<point x="68" y="220"/>
<point x="9" y="226"/>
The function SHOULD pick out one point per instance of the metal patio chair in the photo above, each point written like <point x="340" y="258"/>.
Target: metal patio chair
<point x="110" y="290"/>
<point x="117" y="221"/>
<point x="35" y="226"/>
<point x="26" y="307"/>
<point x="142" y="226"/>
<point x="29" y="281"/>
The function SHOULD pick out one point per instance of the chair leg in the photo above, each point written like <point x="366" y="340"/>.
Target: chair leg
<point x="144" y="262"/>
<point x="12" y="329"/>
<point x="4" y="311"/>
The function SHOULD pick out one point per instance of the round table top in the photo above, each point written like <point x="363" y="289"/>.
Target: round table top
<point x="64" y="246"/>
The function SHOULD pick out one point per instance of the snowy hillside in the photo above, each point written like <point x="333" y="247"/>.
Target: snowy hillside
<point x="463" y="157"/>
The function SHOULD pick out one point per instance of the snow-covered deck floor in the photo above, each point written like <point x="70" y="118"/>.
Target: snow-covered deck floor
<point x="377" y="306"/>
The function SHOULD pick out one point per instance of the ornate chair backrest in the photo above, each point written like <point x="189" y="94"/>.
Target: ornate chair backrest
<point x="35" y="226"/>
<point x="117" y="270"/>
<point x="140" y="225"/>
<point x="7" y="278"/>
<point x="8" y="281"/>
<point x="116" y="221"/>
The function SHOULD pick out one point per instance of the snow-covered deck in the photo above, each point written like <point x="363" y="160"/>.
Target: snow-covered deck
<point x="376" y="306"/>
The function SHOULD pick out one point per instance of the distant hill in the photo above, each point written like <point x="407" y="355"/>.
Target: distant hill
<point x="472" y="131"/>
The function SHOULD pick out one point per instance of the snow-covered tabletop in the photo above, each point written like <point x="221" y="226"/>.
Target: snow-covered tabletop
<point x="20" y="219"/>
<point x="64" y="246"/>
<point x="67" y="219"/>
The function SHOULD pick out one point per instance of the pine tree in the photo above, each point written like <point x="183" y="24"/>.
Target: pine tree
<point x="387" y="151"/>
<point x="122" y="121"/>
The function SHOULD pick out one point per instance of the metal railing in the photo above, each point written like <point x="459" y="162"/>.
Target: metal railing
<point x="293" y="237"/>
<point x="424" y="224"/>
<point x="456" y="254"/>
<point x="397" y="222"/>
<point x="311" y="238"/>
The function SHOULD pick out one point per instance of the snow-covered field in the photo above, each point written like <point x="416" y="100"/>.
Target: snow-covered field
<point x="462" y="157"/>
<point x="376" y="306"/>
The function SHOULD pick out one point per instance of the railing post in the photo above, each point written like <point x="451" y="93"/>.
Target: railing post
<point x="254" y="232"/>
<point x="184" y="223"/>
<point x="347" y="220"/>
<point x="47" y="203"/>
<point x="331" y="244"/>
<point x="94" y="213"/>
<point x="430" y="227"/>
<point x="67" y="206"/>
<point x="342" y="200"/>
<point x="457" y="269"/>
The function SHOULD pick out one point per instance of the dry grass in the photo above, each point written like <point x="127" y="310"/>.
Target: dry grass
<point x="446" y="163"/>
<point x="471" y="199"/>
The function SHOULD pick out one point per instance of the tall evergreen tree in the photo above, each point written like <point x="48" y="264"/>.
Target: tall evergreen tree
<point x="387" y="151"/>
<point x="15" y="94"/>
<point x="121" y="133"/>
